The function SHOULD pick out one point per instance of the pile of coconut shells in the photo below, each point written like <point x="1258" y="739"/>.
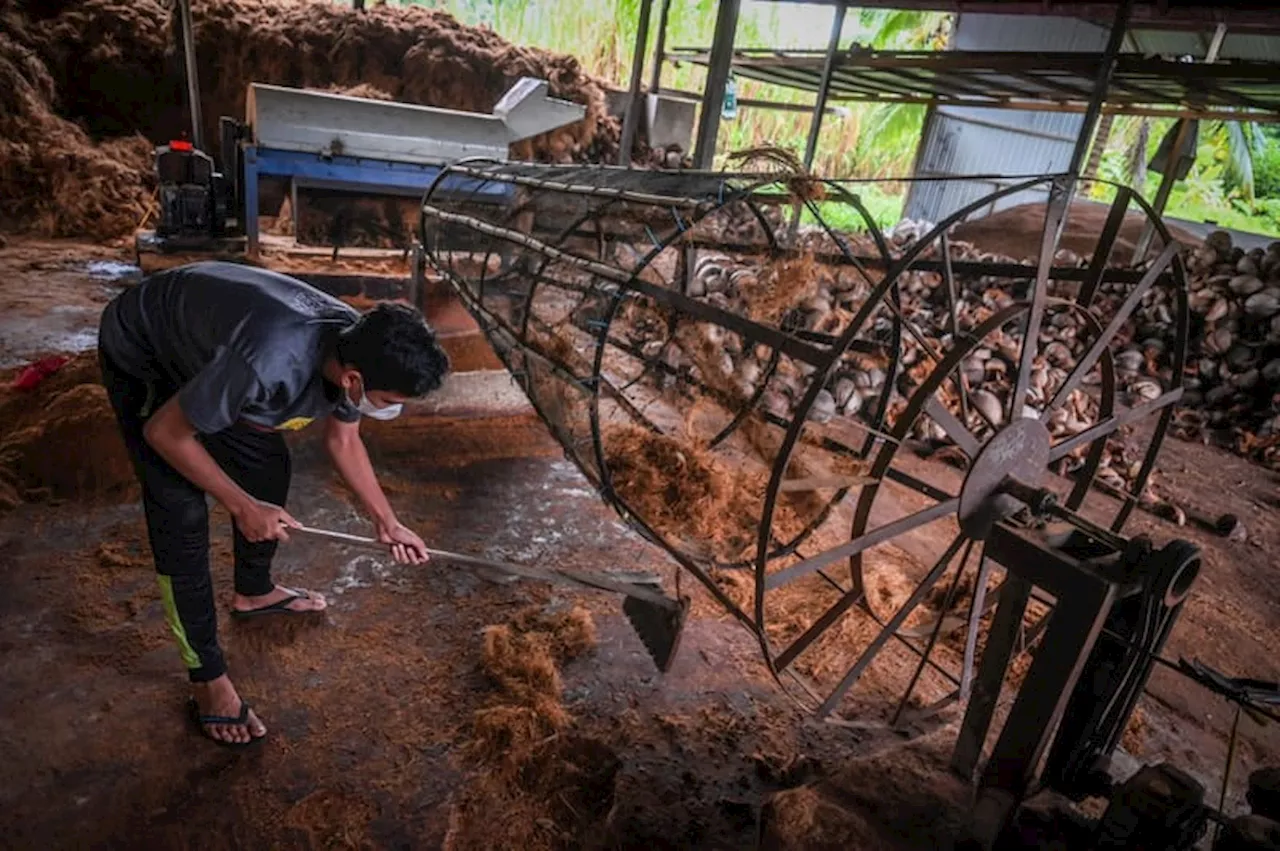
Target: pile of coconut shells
<point x="1232" y="380"/>
<point x="1233" y="376"/>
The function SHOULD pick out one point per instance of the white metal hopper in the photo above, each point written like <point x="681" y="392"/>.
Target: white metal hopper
<point x="330" y="124"/>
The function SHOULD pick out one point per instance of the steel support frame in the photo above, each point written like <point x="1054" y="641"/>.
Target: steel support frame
<point x="349" y="174"/>
<point x="824" y="88"/>
<point x="634" y="104"/>
<point x="1169" y="178"/>
<point x="1085" y="596"/>
<point x="721" y="62"/>
<point x="757" y="103"/>
<point x="1119" y="27"/>
<point x="193" y="77"/>
<point x="659" y="49"/>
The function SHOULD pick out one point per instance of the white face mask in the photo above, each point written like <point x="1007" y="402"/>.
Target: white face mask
<point x="368" y="409"/>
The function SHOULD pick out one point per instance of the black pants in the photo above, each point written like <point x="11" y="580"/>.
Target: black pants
<point x="178" y="515"/>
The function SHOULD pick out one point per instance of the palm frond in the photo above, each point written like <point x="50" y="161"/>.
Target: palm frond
<point x="1240" y="148"/>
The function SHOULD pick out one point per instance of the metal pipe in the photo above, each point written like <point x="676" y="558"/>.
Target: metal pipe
<point x="1118" y="28"/>
<point x="193" y="81"/>
<point x="1215" y="46"/>
<point x="1226" y="771"/>
<point x="632" y="117"/>
<point x="744" y="103"/>
<point x="721" y="62"/>
<point x="820" y="105"/>
<point x="655" y="79"/>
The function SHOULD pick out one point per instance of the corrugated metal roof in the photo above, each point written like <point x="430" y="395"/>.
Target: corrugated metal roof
<point x="971" y="141"/>
<point x="1018" y="32"/>
<point x="1038" y="80"/>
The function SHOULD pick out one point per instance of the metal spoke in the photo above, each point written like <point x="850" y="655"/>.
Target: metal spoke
<point x="817" y="628"/>
<point x="1113" y="327"/>
<point x="1106" y="243"/>
<point x="861" y="543"/>
<point x="934" y="635"/>
<point x="977" y="609"/>
<point x="891" y="627"/>
<point x="1148" y="464"/>
<point x="1053" y="217"/>
<point x="955" y="429"/>
<point x="1117" y="421"/>
<point x="953" y="298"/>
<point x="910" y="481"/>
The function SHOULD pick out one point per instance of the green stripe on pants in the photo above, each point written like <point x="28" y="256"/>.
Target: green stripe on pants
<point x="189" y="656"/>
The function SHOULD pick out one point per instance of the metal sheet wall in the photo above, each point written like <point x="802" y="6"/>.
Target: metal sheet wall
<point x="959" y="141"/>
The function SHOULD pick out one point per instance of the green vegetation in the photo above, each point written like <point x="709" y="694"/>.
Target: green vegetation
<point x="1235" y="181"/>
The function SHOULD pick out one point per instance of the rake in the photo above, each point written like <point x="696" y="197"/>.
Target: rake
<point x="658" y="620"/>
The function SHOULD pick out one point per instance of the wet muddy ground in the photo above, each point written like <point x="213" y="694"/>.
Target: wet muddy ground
<point x="370" y="706"/>
<point x="52" y="295"/>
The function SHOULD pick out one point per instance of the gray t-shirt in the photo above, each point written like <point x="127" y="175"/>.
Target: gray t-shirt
<point x="242" y="343"/>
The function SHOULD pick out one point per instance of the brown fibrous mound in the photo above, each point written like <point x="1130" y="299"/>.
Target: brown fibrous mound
<point x="86" y="88"/>
<point x="537" y="785"/>
<point x="682" y="489"/>
<point x="781" y="285"/>
<point x="522" y="658"/>
<point x="60" y="440"/>
<point x="54" y="179"/>
<point x="691" y="494"/>
<point x="568" y="634"/>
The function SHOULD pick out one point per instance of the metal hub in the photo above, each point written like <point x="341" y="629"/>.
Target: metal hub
<point x="1019" y="452"/>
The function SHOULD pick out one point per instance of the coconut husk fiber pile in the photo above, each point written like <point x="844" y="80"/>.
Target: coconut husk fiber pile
<point x="534" y="783"/>
<point x="522" y="658"/>
<point x="694" y="496"/>
<point x="683" y="490"/>
<point x="59" y="440"/>
<point x="54" y="179"/>
<point x="113" y="68"/>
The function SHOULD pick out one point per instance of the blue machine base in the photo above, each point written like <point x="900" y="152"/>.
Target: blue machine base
<point x="351" y="174"/>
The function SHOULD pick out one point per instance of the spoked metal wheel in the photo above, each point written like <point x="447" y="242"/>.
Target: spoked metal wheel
<point x="751" y="393"/>
<point x="1018" y="380"/>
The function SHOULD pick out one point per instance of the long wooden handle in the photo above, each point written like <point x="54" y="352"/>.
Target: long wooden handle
<point x="528" y="572"/>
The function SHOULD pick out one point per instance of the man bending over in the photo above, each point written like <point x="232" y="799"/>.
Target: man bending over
<point x="206" y="366"/>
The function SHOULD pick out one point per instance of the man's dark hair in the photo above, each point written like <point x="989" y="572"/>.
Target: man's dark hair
<point x="395" y="350"/>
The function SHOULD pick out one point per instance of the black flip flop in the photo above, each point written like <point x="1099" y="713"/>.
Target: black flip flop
<point x="193" y="711"/>
<point x="279" y="607"/>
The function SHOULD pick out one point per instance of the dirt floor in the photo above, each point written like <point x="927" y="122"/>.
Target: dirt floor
<point x="373" y="707"/>
<point x="1016" y="232"/>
